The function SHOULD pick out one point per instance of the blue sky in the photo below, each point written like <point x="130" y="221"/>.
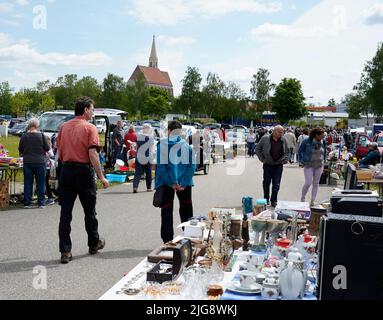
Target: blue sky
<point x="323" y="43"/>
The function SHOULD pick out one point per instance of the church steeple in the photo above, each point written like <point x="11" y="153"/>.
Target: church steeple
<point x="153" y="60"/>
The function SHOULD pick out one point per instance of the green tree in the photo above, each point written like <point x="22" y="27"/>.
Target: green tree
<point x="374" y="79"/>
<point x="288" y="100"/>
<point x="261" y="89"/>
<point x="64" y="91"/>
<point x="331" y="103"/>
<point x="190" y="100"/>
<point x="136" y="96"/>
<point x="47" y="102"/>
<point x="20" y="103"/>
<point x="113" y="92"/>
<point x="212" y="94"/>
<point x="157" y="102"/>
<point x="5" y="98"/>
<point x="88" y="86"/>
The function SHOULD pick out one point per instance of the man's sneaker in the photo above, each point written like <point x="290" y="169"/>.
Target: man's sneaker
<point x="134" y="190"/>
<point x="28" y="207"/>
<point x="100" y="245"/>
<point x="49" y="202"/>
<point x="66" y="257"/>
<point x="149" y="190"/>
<point x="41" y="207"/>
<point x="274" y="204"/>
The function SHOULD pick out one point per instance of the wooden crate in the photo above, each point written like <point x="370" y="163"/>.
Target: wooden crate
<point x="4" y="187"/>
<point x="4" y="200"/>
<point x="364" y="174"/>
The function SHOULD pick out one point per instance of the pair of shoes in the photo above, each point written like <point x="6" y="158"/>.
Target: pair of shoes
<point x="274" y="204"/>
<point x="49" y="202"/>
<point x="100" y="245"/>
<point x="134" y="190"/>
<point x="66" y="257"/>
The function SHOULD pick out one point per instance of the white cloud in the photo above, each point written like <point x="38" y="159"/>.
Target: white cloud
<point x="24" y="52"/>
<point x="175" y="41"/>
<point x="171" y="12"/>
<point x="326" y="48"/>
<point x="22" y="2"/>
<point x="4" y="40"/>
<point x="6" y="7"/>
<point x="374" y="15"/>
<point x="272" y="31"/>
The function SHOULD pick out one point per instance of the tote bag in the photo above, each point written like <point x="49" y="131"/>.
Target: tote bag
<point x="158" y="197"/>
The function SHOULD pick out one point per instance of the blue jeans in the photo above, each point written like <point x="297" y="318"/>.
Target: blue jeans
<point x="31" y="171"/>
<point x="141" y="168"/>
<point x="291" y="155"/>
<point x="272" y="174"/>
<point x="251" y="149"/>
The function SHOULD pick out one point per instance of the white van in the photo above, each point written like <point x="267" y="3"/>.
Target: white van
<point x="50" y="123"/>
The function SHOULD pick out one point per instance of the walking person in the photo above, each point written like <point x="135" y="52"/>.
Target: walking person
<point x="77" y="145"/>
<point x="33" y="147"/>
<point x="174" y="173"/>
<point x="144" y="157"/>
<point x="49" y="167"/>
<point x="291" y="144"/>
<point x="117" y="140"/>
<point x="272" y="151"/>
<point x="251" y="139"/>
<point x="312" y="154"/>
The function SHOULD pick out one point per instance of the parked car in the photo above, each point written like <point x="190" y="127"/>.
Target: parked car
<point x="18" y="129"/>
<point x="226" y="126"/>
<point x="101" y="125"/>
<point x="361" y="144"/>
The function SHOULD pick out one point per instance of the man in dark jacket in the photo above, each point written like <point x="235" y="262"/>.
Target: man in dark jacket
<point x="272" y="151"/>
<point x="372" y="158"/>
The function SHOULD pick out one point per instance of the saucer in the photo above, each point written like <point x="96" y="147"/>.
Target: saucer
<point x="236" y="287"/>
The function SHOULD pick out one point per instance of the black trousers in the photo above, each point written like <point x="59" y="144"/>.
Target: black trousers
<point x="48" y="189"/>
<point x="77" y="180"/>
<point x="186" y="210"/>
<point x="272" y="174"/>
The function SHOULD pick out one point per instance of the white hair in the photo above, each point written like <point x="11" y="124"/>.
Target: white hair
<point x="33" y="123"/>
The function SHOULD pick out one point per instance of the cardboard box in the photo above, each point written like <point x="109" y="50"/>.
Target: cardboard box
<point x="364" y="174"/>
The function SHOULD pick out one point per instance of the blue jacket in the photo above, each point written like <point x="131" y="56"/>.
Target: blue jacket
<point x="305" y="151"/>
<point x="175" y="163"/>
<point x="372" y="158"/>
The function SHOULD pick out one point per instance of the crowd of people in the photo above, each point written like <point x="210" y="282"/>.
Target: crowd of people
<point x="77" y="149"/>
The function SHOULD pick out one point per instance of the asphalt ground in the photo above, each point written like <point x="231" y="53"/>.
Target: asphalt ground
<point x="128" y="222"/>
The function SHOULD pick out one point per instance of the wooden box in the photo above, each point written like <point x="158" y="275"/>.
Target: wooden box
<point x="315" y="216"/>
<point x="4" y="187"/>
<point x="4" y="200"/>
<point x="364" y="174"/>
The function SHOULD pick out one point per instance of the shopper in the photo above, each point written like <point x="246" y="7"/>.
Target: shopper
<point x="144" y="157"/>
<point x="251" y="139"/>
<point x="50" y="167"/>
<point x="291" y="144"/>
<point x="117" y="140"/>
<point x="372" y="158"/>
<point x="174" y="173"/>
<point x="33" y="147"/>
<point x="77" y="145"/>
<point x="130" y="140"/>
<point x="272" y="151"/>
<point x="312" y="154"/>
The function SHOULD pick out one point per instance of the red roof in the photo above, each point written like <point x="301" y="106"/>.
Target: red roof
<point x="156" y="76"/>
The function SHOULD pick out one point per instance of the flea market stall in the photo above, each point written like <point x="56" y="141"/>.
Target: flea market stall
<point x="257" y="255"/>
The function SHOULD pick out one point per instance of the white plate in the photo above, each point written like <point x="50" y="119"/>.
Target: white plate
<point x="236" y="287"/>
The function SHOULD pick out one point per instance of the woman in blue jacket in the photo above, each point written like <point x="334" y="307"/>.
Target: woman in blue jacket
<point x="312" y="155"/>
<point x="174" y="172"/>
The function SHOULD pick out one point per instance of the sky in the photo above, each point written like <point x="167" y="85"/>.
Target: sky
<point x="325" y="44"/>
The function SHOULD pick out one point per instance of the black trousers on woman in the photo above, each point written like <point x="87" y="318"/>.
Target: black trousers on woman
<point x="186" y="210"/>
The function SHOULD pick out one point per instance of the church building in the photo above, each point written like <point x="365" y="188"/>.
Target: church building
<point x="152" y="75"/>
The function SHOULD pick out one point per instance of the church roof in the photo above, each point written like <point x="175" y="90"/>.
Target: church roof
<point x="155" y="76"/>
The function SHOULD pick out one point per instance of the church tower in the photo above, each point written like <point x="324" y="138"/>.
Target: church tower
<point x="153" y="60"/>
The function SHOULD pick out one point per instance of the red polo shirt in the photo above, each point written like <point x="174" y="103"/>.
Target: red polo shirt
<point x="75" y="139"/>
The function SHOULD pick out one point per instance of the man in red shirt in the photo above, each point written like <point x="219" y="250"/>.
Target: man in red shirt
<point x="130" y="140"/>
<point x="78" y="145"/>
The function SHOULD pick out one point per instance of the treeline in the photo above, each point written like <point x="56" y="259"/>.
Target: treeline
<point x="367" y="95"/>
<point x="213" y="99"/>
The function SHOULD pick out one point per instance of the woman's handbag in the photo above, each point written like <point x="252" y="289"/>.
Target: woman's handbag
<point x="158" y="197"/>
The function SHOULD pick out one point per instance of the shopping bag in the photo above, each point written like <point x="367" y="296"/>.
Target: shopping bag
<point x="158" y="197"/>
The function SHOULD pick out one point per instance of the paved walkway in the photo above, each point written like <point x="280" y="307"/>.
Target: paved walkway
<point x="130" y="225"/>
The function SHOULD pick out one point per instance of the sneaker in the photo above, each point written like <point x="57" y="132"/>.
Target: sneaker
<point x="100" y="245"/>
<point x="134" y="190"/>
<point x="49" y="202"/>
<point x="28" y="207"/>
<point x="149" y="190"/>
<point x="274" y="204"/>
<point x="41" y="207"/>
<point x="66" y="257"/>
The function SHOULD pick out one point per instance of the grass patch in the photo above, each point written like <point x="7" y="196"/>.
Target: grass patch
<point x="11" y="144"/>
